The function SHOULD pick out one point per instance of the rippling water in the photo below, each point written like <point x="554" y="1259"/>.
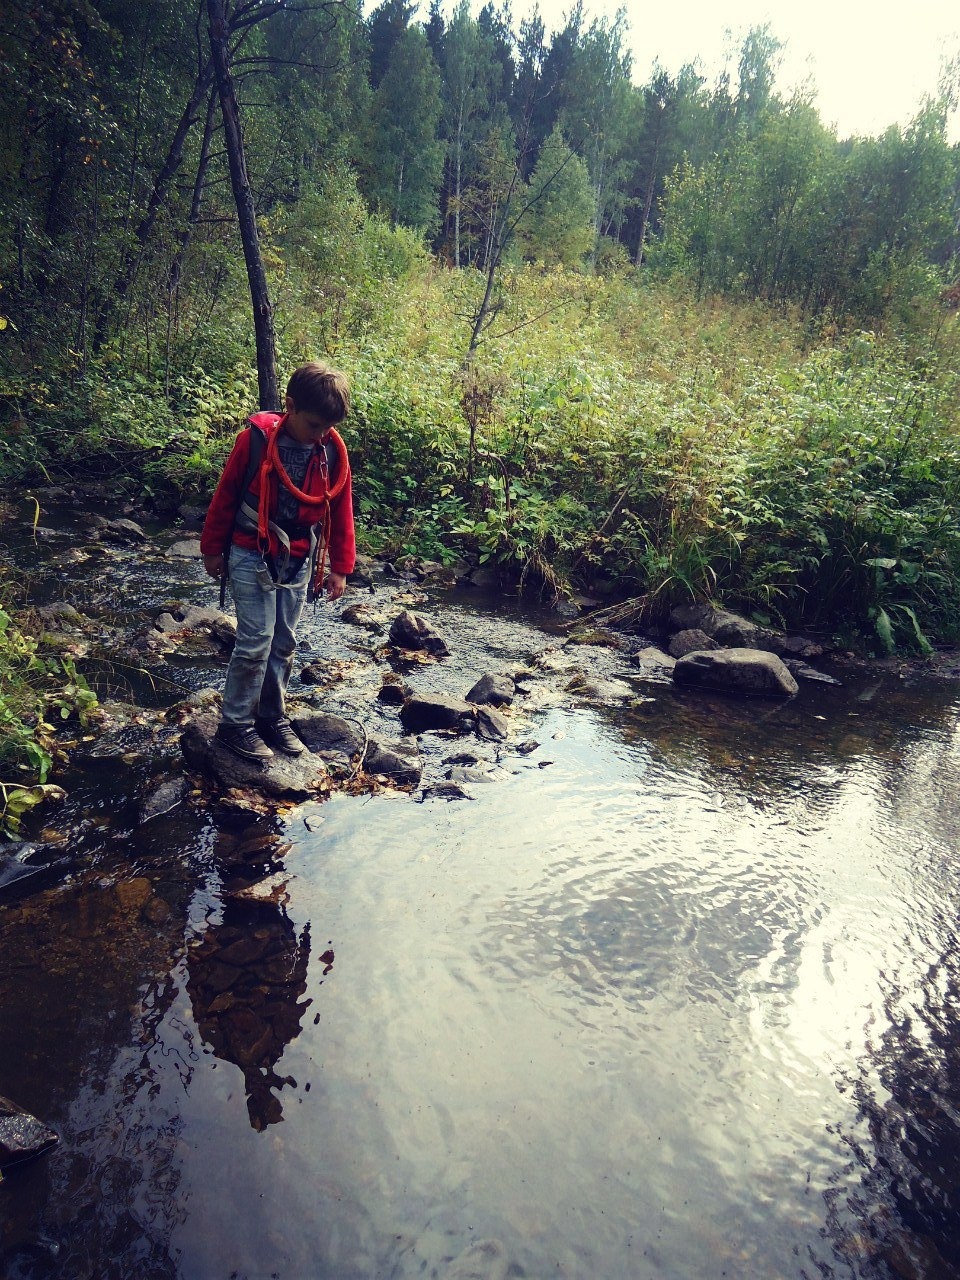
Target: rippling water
<point x="676" y="997"/>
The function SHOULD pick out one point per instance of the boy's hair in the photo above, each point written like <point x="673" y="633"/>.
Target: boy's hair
<point x="316" y="388"/>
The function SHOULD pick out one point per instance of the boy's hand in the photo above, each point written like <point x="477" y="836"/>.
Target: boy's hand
<point x="336" y="585"/>
<point x="214" y="565"/>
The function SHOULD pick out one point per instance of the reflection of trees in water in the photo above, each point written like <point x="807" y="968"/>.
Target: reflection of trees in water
<point x="775" y="748"/>
<point x="85" y="988"/>
<point x="247" y="975"/>
<point x="907" y="1211"/>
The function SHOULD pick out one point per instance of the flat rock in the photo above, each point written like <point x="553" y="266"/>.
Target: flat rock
<point x="653" y="661"/>
<point x="123" y="531"/>
<point x="293" y="777"/>
<point x="435" y="711"/>
<point x="804" y="672"/>
<point x="738" y="670"/>
<point x="185" y="549"/>
<point x="364" y="615"/>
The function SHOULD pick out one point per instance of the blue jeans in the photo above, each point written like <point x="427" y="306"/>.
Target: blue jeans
<point x="262" y="659"/>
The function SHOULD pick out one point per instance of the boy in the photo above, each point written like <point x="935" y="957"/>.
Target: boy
<point x="283" y="503"/>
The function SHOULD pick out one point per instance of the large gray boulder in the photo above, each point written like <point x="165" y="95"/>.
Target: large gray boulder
<point x="740" y="670"/>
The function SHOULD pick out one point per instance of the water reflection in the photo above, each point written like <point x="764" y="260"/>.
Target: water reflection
<point x="684" y="1002"/>
<point x="246" y="976"/>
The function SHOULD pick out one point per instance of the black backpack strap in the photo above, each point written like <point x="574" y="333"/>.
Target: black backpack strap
<point x="258" y="445"/>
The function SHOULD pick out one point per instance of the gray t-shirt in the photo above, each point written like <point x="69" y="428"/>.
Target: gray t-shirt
<point x="295" y="458"/>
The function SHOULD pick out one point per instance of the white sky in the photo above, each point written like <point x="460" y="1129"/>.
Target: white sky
<point x="871" y="61"/>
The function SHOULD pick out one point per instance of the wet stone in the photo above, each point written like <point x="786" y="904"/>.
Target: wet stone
<point x="331" y="737"/>
<point x="691" y="640"/>
<point x="801" y="671"/>
<point x="421" y="713"/>
<point x="749" y="671"/>
<point x="365" y="616"/>
<point x="184" y="549"/>
<point x="495" y="690"/>
<point x="123" y="531"/>
<point x="443" y="791"/>
<point x="410" y="631"/>
<point x="653" y="661"/>
<point x="393" y="692"/>
<point x="491" y="724"/>
<point x="164" y="797"/>
<point x="133" y="894"/>
<point x="398" y="761"/>
<point x="60" y="613"/>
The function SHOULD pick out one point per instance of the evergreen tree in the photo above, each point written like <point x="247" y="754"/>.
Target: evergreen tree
<point x="559" y="225"/>
<point x="407" y="156"/>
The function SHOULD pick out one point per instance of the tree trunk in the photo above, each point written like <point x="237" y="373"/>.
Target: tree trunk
<point x="128" y="268"/>
<point x="648" y="197"/>
<point x="246" y="211"/>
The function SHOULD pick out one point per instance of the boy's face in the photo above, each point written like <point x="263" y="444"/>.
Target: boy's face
<point x="304" y="427"/>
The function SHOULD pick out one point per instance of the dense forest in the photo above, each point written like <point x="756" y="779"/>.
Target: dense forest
<point x="656" y="340"/>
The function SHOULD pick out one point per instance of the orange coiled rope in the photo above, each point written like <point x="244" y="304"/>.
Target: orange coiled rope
<point x="320" y="504"/>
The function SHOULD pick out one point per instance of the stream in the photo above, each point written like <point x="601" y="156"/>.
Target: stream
<point x="674" y="994"/>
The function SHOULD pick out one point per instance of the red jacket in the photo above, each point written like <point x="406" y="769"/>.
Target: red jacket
<point x="219" y="527"/>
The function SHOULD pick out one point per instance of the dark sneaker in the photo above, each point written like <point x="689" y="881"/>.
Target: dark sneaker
<point x="280" y="734"/>
<point x="243" y="740"/>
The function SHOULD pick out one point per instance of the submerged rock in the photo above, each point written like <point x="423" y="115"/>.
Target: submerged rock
<point x="483" y="1260"/>
<point x="163" y="797"/>
<point x="398" y="761"/>
<point x="741" y="670"/>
